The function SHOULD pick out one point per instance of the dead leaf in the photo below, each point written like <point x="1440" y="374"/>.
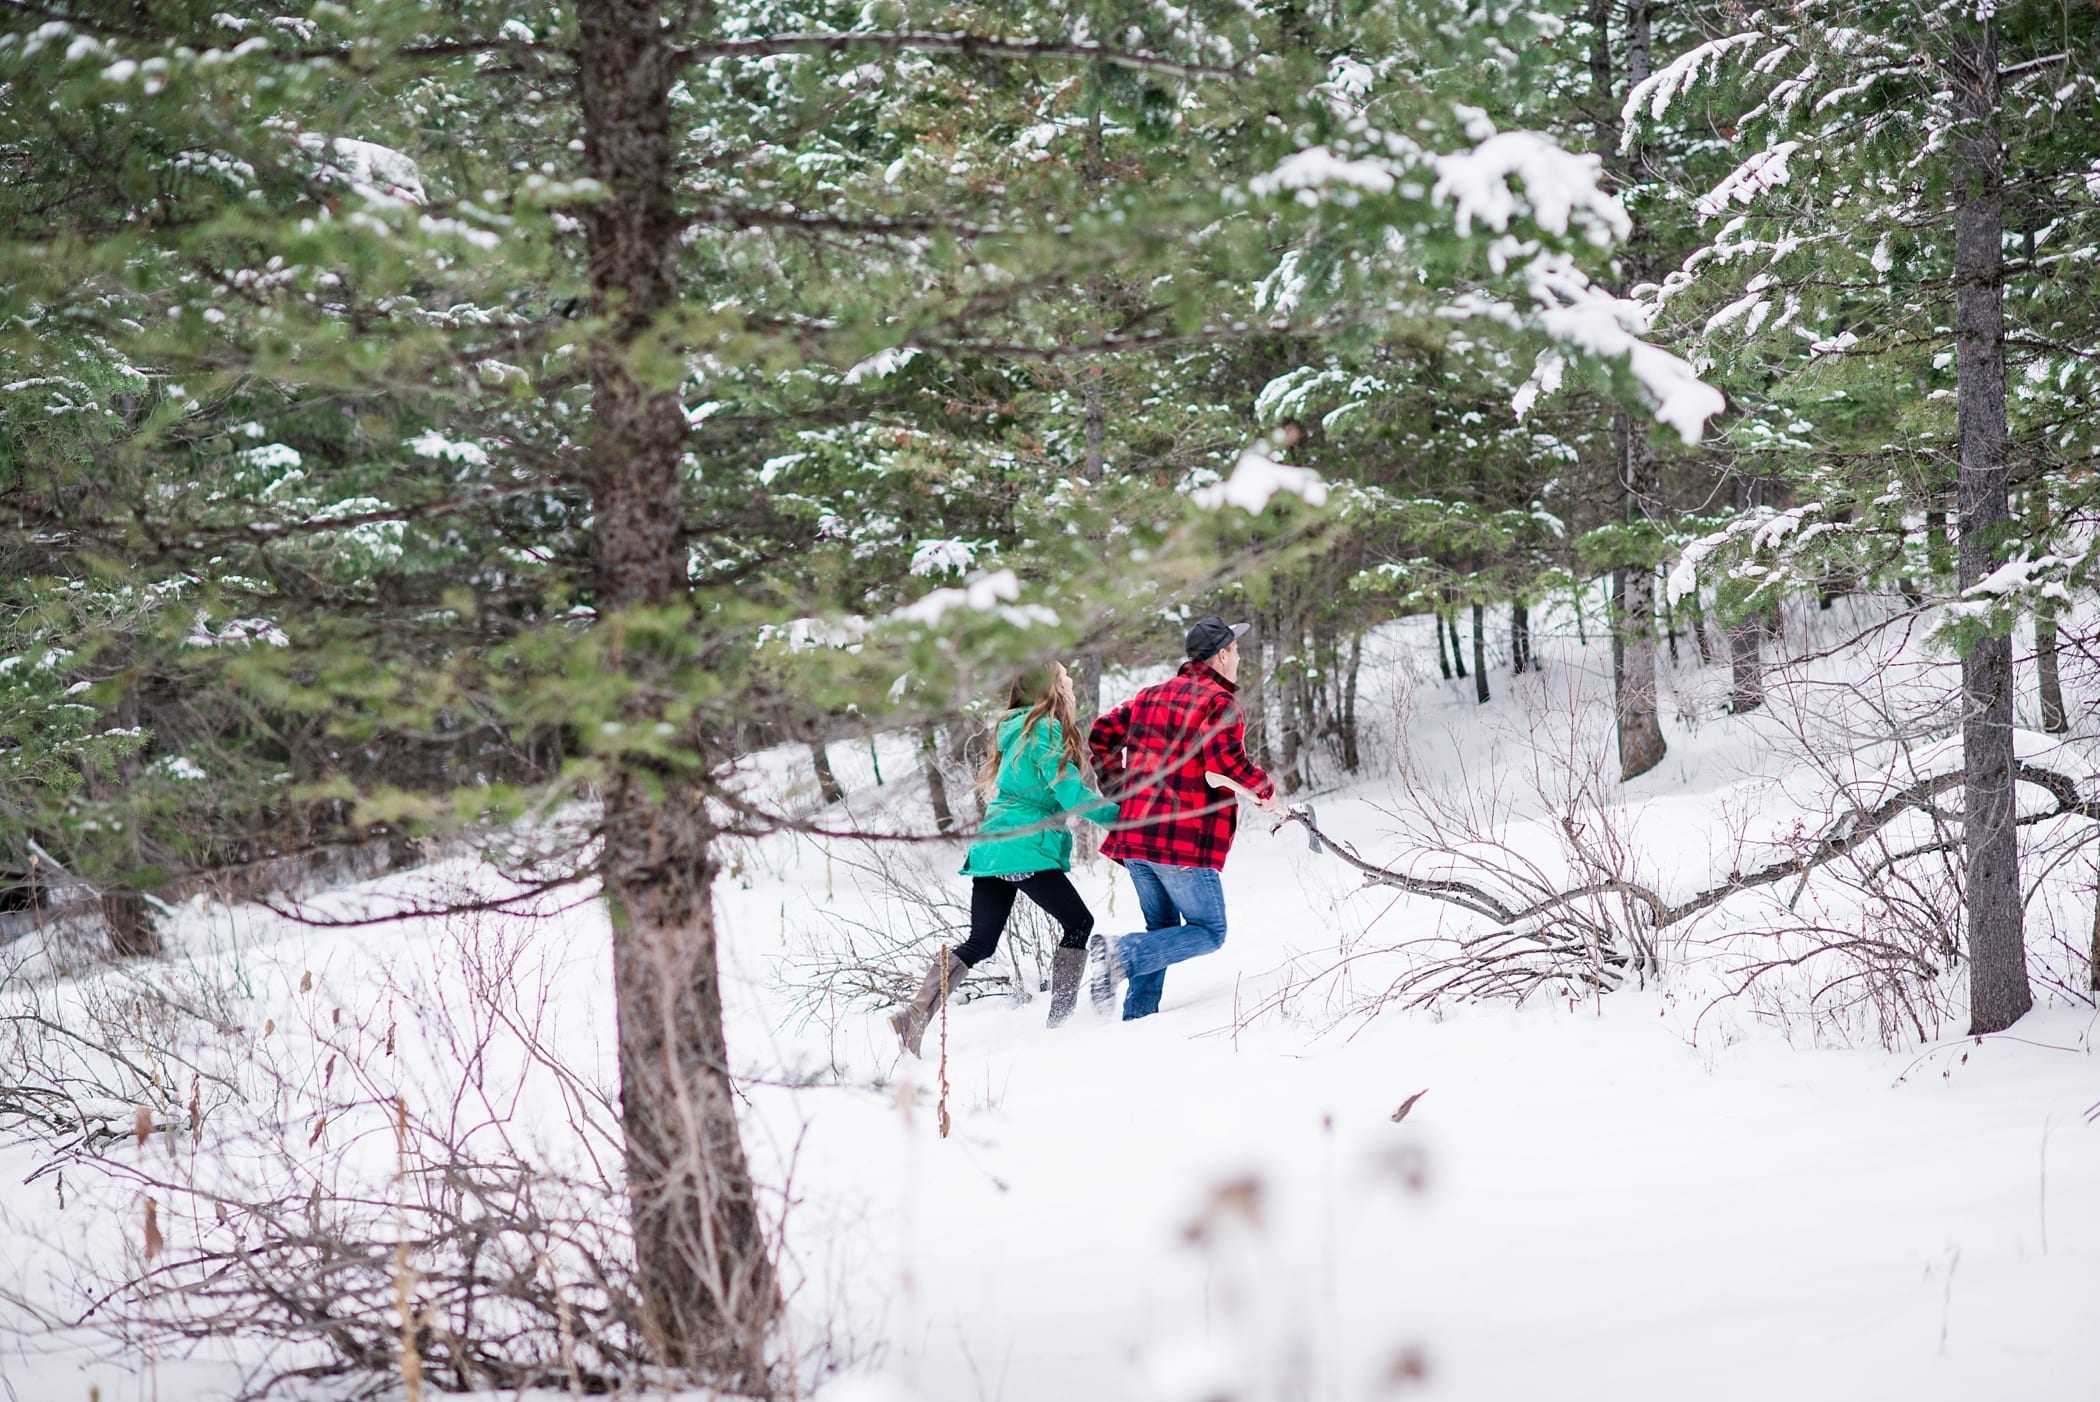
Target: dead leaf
<point x="153" y="1238"/>
<point x="269" y="1025"/>
<point x="1408" y="1104"/>
<point x="315" y="1137"/>
<point x="1408" y="1367"/>
<point x="196" y="1104"/>
<point x="306" y="981"/>
<point x="1235" y="1197"/>
<point x="328" y="1071"/>
<point x="142" y="1123"/>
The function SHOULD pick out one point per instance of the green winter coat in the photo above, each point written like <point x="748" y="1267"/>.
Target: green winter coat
<point x="1036" y="788"/>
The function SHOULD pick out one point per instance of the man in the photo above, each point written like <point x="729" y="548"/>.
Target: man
<point x="1172" y="829"/>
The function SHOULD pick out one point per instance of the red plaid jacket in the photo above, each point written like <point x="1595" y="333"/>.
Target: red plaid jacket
<point x="1150" y="754"/>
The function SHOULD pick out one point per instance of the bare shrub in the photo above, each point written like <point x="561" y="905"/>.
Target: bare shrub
<point x="420" y="1184"/>
<point x="905" y="902"/>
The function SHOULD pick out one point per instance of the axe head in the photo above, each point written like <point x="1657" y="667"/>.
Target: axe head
<point x="1312" y="839"/>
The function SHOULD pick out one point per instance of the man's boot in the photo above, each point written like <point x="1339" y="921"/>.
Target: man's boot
<point x="1107" y="975"/>
<point x="909" y="1022"/>
<point x="1067" y="967"/>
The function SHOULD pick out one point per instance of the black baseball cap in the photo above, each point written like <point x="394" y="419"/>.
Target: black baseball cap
<point x="1211" y="636"/>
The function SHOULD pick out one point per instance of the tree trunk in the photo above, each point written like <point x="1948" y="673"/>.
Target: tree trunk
<point x="1087" y="694"/>
<point x="1520" y="637"/>
<point x="1352" y="753"/>
<point x="2055" y="720"/>
<point x="709" y="1297"/>
<point x="1480" y="666"/>
<point x="1639" y="703"/>
<point x="126" y="917"/>
<point x="1698" y="628"/>
<point x="1254" y="689"/>
<point x="936" y="782"/>
<point x="2093" y="956"/>
<point x="1998" y="988"/>
<point x="1746" y="689"/>
<point x="827" y="782"/>
<point x="1443" y="662"/>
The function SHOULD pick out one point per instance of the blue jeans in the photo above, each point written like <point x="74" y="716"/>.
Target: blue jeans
<point x="1184" y="909"/>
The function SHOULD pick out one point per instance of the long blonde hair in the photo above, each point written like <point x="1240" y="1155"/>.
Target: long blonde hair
<point x="1035" y="689"/>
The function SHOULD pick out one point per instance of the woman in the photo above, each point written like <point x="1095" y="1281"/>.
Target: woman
<point x="1033" y="781"/>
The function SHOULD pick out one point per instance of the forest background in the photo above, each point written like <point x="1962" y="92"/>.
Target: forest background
<point x="426" y="424"/>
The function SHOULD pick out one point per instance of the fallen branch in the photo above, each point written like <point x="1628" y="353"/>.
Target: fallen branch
<point x="1847" y="836"/>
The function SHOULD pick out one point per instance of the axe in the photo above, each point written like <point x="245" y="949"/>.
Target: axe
<point x="1301" y="813"/>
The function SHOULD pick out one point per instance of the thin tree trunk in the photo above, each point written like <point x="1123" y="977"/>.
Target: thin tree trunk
<point x="1639" y="705"/>
<point x="125" y="915"/>
<point x="1698" y="628"/>
<point x="1352" y="753"/>
<point x="1998" y="989"/>
<point x="1520" y="637"/>
<point x="1289" y="712"/>
<point x="1936" y="550"/>
<point x="1746" y="689"/>
<point x="827" y="781"/>
<point x="1087" y="693"/>
<point x="936" y="782"/>
<point x="1480" y="666"/>
<point x="1458" y="660"/>
<point x="1254" y="689"/>
<point x="709" y="1296"/>
<point x="1637" y="701"/>
<point x="1443" y="662"/>
<point x="2055" y="720"/>
<point x="2093" y="957"/>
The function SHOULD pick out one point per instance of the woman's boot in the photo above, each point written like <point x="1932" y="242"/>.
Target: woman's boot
<point x="909" y="1022"/>
<point x="1067" y="967"/>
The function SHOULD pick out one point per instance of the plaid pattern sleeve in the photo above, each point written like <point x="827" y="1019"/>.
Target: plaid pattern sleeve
<point x="1153" y="751"/>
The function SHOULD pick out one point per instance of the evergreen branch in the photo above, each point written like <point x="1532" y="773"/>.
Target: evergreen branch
<point x="970" y="45"/>
<point x="446" y="48"/>
<point x="788" y="217"/>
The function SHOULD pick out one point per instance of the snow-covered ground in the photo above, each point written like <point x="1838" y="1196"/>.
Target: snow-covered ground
<point x="1656" y="1193"/>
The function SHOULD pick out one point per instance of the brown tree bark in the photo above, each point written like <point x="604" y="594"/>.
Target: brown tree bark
<point x="1639" y="703"/>
<point x="1697" y="625"/>
<point x="2055" y="719"/>
<point x="2093" y="957"/>
<point x="1637" y="699"/>
<point x="827" y="780"/>
<point x="1480" y="666"/>
<point x="1746" y="688"/>
<point x="1254" y="689"/>
<point x="936" y="782"/>
<point x="1352" y="750"/>
<point x="709" y="1296"/>
<point x="1998" y="990"/>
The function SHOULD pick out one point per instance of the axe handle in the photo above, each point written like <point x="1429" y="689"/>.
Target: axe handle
<point x="1221" y="781"/>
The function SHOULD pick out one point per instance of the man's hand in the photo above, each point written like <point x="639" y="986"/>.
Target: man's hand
<point x="1272" y="805"/>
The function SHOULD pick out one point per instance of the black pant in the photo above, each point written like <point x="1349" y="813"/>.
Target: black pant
<point x="992" y="900"/>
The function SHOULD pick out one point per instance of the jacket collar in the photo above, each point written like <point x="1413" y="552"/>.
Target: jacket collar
<point x="1204" y="672"/>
